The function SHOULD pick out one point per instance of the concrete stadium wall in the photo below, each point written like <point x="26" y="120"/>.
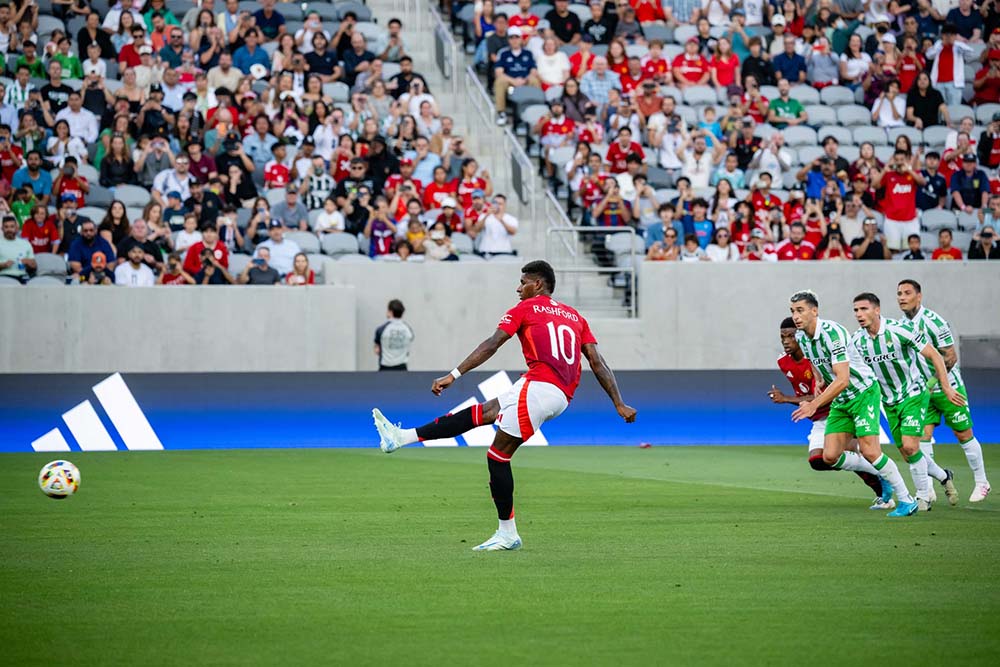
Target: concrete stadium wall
<point x="701" y="316"/>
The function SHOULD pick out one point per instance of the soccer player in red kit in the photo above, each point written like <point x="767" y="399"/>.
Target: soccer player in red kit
<point x="554" y="338"/>
<point x="799" y="372"/>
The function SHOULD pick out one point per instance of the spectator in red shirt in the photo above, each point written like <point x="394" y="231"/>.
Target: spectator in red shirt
<point x="209" y="240"/>
<point x="524" y="20"/>
<point x="724" y="64"/>
<point x="439" y="189"/>
<point x="68" y="181"/>
<point x="634" y="77"/>
<point x="449" y="216"/>
<point x="129" y="55"/>
<point x="174" y="274"/>
<point x="582" y="60"/>
<point x="945" y="251"/>
<point x="795" y="248"/>
<point x="910" y="65"/>
<point x="690" y="68"/>
<point x="647" y="11"/>
<point x="40" y="231"/>
<point x="987" y="81"/>
<point x="619" y="151"/>
<point x="11" y="155"/>
<point x="470" y="182"/>
<point x="655" y="65"/>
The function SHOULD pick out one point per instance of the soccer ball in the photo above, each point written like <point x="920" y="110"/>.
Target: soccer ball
<point x="59" y="479"/>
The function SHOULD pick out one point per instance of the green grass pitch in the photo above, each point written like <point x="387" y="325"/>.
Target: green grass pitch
<point x="686" y="555"/>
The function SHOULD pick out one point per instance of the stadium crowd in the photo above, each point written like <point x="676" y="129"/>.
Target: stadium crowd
<point x="768" y="130"/>
<point x="218" y="142"/>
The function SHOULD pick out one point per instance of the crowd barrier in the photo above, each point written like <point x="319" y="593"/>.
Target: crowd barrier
<point x="138" y="411"/>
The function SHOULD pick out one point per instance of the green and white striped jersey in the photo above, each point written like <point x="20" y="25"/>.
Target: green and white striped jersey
<point x="832" y="345"/>
<point x="939" y="335"/>
<point x="894" y="355"/>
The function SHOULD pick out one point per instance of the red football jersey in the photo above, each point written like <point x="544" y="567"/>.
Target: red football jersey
<point x="788" y="252"/>
<point x="552" y="337"/>
<point x="900" y="199"/>
<point x="617" y="157"/>
<point x="690" y="69"/>
<point x="466" y="188"/>
<point x="436" y="193"/>
<point x="40" y="238"/>
<point x="655" y="68"/>
<point x="803" y="379"/>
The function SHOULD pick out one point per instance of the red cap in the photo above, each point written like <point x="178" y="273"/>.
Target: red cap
<point x="994" y="54"/>
<point x="860" y="177"/>
<point x="693" y="39"/>
<point x="406" y="160"/>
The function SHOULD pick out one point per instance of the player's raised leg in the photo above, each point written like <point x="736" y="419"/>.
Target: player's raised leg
<point x="392" y="437"/>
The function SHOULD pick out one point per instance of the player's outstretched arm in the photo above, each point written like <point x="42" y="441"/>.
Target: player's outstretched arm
<point x="607" y="380"/>
<point x="777" y="396"/>
<point x="841" y="378"/>
<point x="479" y="356"/>
<point x="941" y="372"/>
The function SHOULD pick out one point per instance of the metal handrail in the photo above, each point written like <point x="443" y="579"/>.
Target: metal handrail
<point x="448" y="58"/>
<point x="555" y="216"/>
<point x="576" y="231"/>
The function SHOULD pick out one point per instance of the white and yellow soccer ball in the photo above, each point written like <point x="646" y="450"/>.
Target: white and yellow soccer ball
<point x="59" y="479"/>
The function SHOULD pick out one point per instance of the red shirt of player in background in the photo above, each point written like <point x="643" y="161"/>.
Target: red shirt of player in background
<point x="552" y="337"/>
<point x="800" y="374"/>
<point x="900" y="199"/>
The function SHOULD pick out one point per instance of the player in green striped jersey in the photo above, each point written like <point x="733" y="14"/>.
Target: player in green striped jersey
<point x="895" y="351"/>
<point x="910" y="300"/>
<point x="851" y="391"/>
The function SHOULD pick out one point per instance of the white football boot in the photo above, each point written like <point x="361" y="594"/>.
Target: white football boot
<point x="979" y="493"/>
<point x="500" y="542"/>
<point x="390" y="438"/>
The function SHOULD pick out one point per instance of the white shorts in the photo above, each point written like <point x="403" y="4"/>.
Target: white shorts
<point x="817" y="434"/>
<point x="897" y="231"/>
<point x="527" y="405"/>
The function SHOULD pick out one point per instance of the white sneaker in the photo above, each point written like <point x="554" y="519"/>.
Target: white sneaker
<point x="501" y="119"/>
<point x="390" y="438"/>
<point x="923" y="505"/>
<point x="500" y="542"/>
<point x="932" y="494"/>
<point x="880" y="505"/>
<point x="979" y="493"/>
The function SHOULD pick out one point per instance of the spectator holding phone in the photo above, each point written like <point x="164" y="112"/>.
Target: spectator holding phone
<point x="259" y="271"/>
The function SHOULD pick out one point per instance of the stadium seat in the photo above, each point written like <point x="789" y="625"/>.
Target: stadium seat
<point x="318" y="263"/>
<point x="463" y="243"/>
<point x="821" y="115"/>
<point x="376" y="36"/>
<point x="916" y="136"/>
<point x="683" y="33"/>
<point x="7" y="281"/>
<point x="50" y="264"/>
<point x="553" y="93"/>
<point x="967" y="222"/>
<point x="936" y="135"/>
<point x="984" y="113"/>
<point x="854" y="115"/>
<point x="961" y="240"/>
<point x="928" y="241"/>
<point x="275" y="196"/>
<point x="636" y="50"/>
<point x="959" y="111"/>
<point x="243" y="216"/>
<point x="339" y="244"/>
<point x="523" y="97"/>
<point x="132" y="195"/>
<point x="651" y="31"/>
<point x="133" y="213"/>
<point x="46" y="281"/>
<point x="290" y="11"/>
<point x="873" y="135"/>
<point x="328" y="12"/>
<point x="771" y="92"/>
<point x="936" y="218"/>
<point x="884" y="153"/>
<point x="471" y="258"/>
<point x="624" y="243"/>
<point x="764" y="131"/>
<point x="836" y="96"/>
<point x="357" y="259"/>
<point x="238" y="262"/>
<point x="92" y="213"/>
<point x="696" y="95"/>
<point x="658" y="178"/>
<point x="338" y="91"/>
<point x="672" y="91"/>
<point x="841" y="134"/>
<point x="528" y="117"/>
<point x="849" y="152"/>
<point x="505" y="259"/>
<point x="805" y="94"/>
<point x="800" y="135"/>
<point x="307" y="241"/>
<point x="360" y="10"/>
<point x="809" y="153"/>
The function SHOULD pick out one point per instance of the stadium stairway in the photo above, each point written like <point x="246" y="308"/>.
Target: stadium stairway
<point x="595" y="294"/>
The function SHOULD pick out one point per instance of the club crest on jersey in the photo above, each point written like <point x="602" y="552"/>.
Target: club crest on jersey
<point x="808" y="375"/>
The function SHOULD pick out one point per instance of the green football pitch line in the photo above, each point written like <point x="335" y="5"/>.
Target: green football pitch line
<point x="672" y="555"/>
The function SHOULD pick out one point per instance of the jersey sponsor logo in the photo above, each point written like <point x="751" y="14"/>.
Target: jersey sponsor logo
<point x="911" y="422"/>
<point x="880" y="357"/>
<point x="901" y="189"/>
<point x="550" y="310"/>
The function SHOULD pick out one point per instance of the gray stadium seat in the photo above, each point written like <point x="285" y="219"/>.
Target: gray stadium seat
<point x="967" y="221"/>
<point x="854" y="115"/>
<point x="836" y="96"/>
<point x="339" y="244"/>
<point x="764" y="131"/>
<point x="290" y="11"/>
<point x="357" y="259"/>
<point x="338" y="91"/>
<point x="651" y="31"/>
<point x="658" y="178"/>
<point x="328" y="12"/>
<point x="50" y="264"/>
<point x="318" y="263"/>
<point x="529" y="116"/>
<point x="47" y="281"/>
<point x="672" y="91"/>
<point x="929" y="241"/>
<point x="800" y="135"/>
<point x="805" y="94"/>
<point x="132" y="195"/>
<point x="275" y="196"/>
<point x="622" y="243"/>
<point x="307" y="241"/>
<point x="93" y="213"/>
<point x="553" y="93"/>
<point x="696" y="95"/>
<point x="471" y="258"/>
<point x="936" y="135"/>
<point x="984" y="113"/>
<point x="821" y="115"/>
<point x="874" y="135"/>
<point x="99" y="195"/>
<point x="916" y="136"/>
<point x="463" y="243"/>
<point x="360" y="10"/>
<point x="937" y="218"/>
<point x="962" y="241"/>
<point x="959" y="111"/>
<point x="683" y="33"/>
<point x="238" y="262"/>
<point x="849" y="152"/>
<point x="7" y="281"/>
<point x="841" y="134"/>
<point x="809" y="153"/>
<point x="884" y="153"/>
<point x="770" y="92"/>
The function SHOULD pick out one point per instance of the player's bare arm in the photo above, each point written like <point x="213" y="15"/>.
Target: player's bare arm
<point x="950" y="356"/>
<point x="778" y="397"/>
<point x="606" y="377"/>
<point x="941" y="371"/>
<point x="842" y="374"/>
<point x="479" y="356"/>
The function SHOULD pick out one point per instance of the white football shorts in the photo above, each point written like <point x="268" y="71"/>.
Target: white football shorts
<point x="527" y="405"/>
<point x="817" y="434"/>
<point x="897" y="231"/>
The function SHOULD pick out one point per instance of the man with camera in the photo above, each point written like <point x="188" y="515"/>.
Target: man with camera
<point x="899" y="203"/>
<point x="208" y="260"/>
<point x="258" y="271"/>
<point x="32" y="174"/>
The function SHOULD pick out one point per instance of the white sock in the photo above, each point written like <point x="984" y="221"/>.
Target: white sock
<point x="855" y="463"/>
<point x="927" y="447"/>
<point x="507" y="527"/>
<point x="921" y="482"/>
<point x="974" y="454"/>
<point x="409" y="435"/>
<point x="888" y="471"/>
<point x="933" y="469"/>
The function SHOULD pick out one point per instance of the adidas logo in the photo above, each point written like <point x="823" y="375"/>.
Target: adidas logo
<point x="490" y="388"/>
<point x="88" y="430"/>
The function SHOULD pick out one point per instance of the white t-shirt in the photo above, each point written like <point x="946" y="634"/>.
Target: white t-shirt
<point x="856" y="67"/>
<point x="325" y="221"/>
<point x="553" y="69"/>
<point x="719" y="254"/>
<point x="699" y="170"/>
<point x="307" y="39"/>
<point x="755" y="11"/>
<point x="717" y="16"/>
<point x="878" y="12"/>
<point x="126" y="276"/>
<point x="667" y="150"/>
<point x="885" y="118"/>
<point x="495" y="237"/>
<point x="185" y="240"/>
